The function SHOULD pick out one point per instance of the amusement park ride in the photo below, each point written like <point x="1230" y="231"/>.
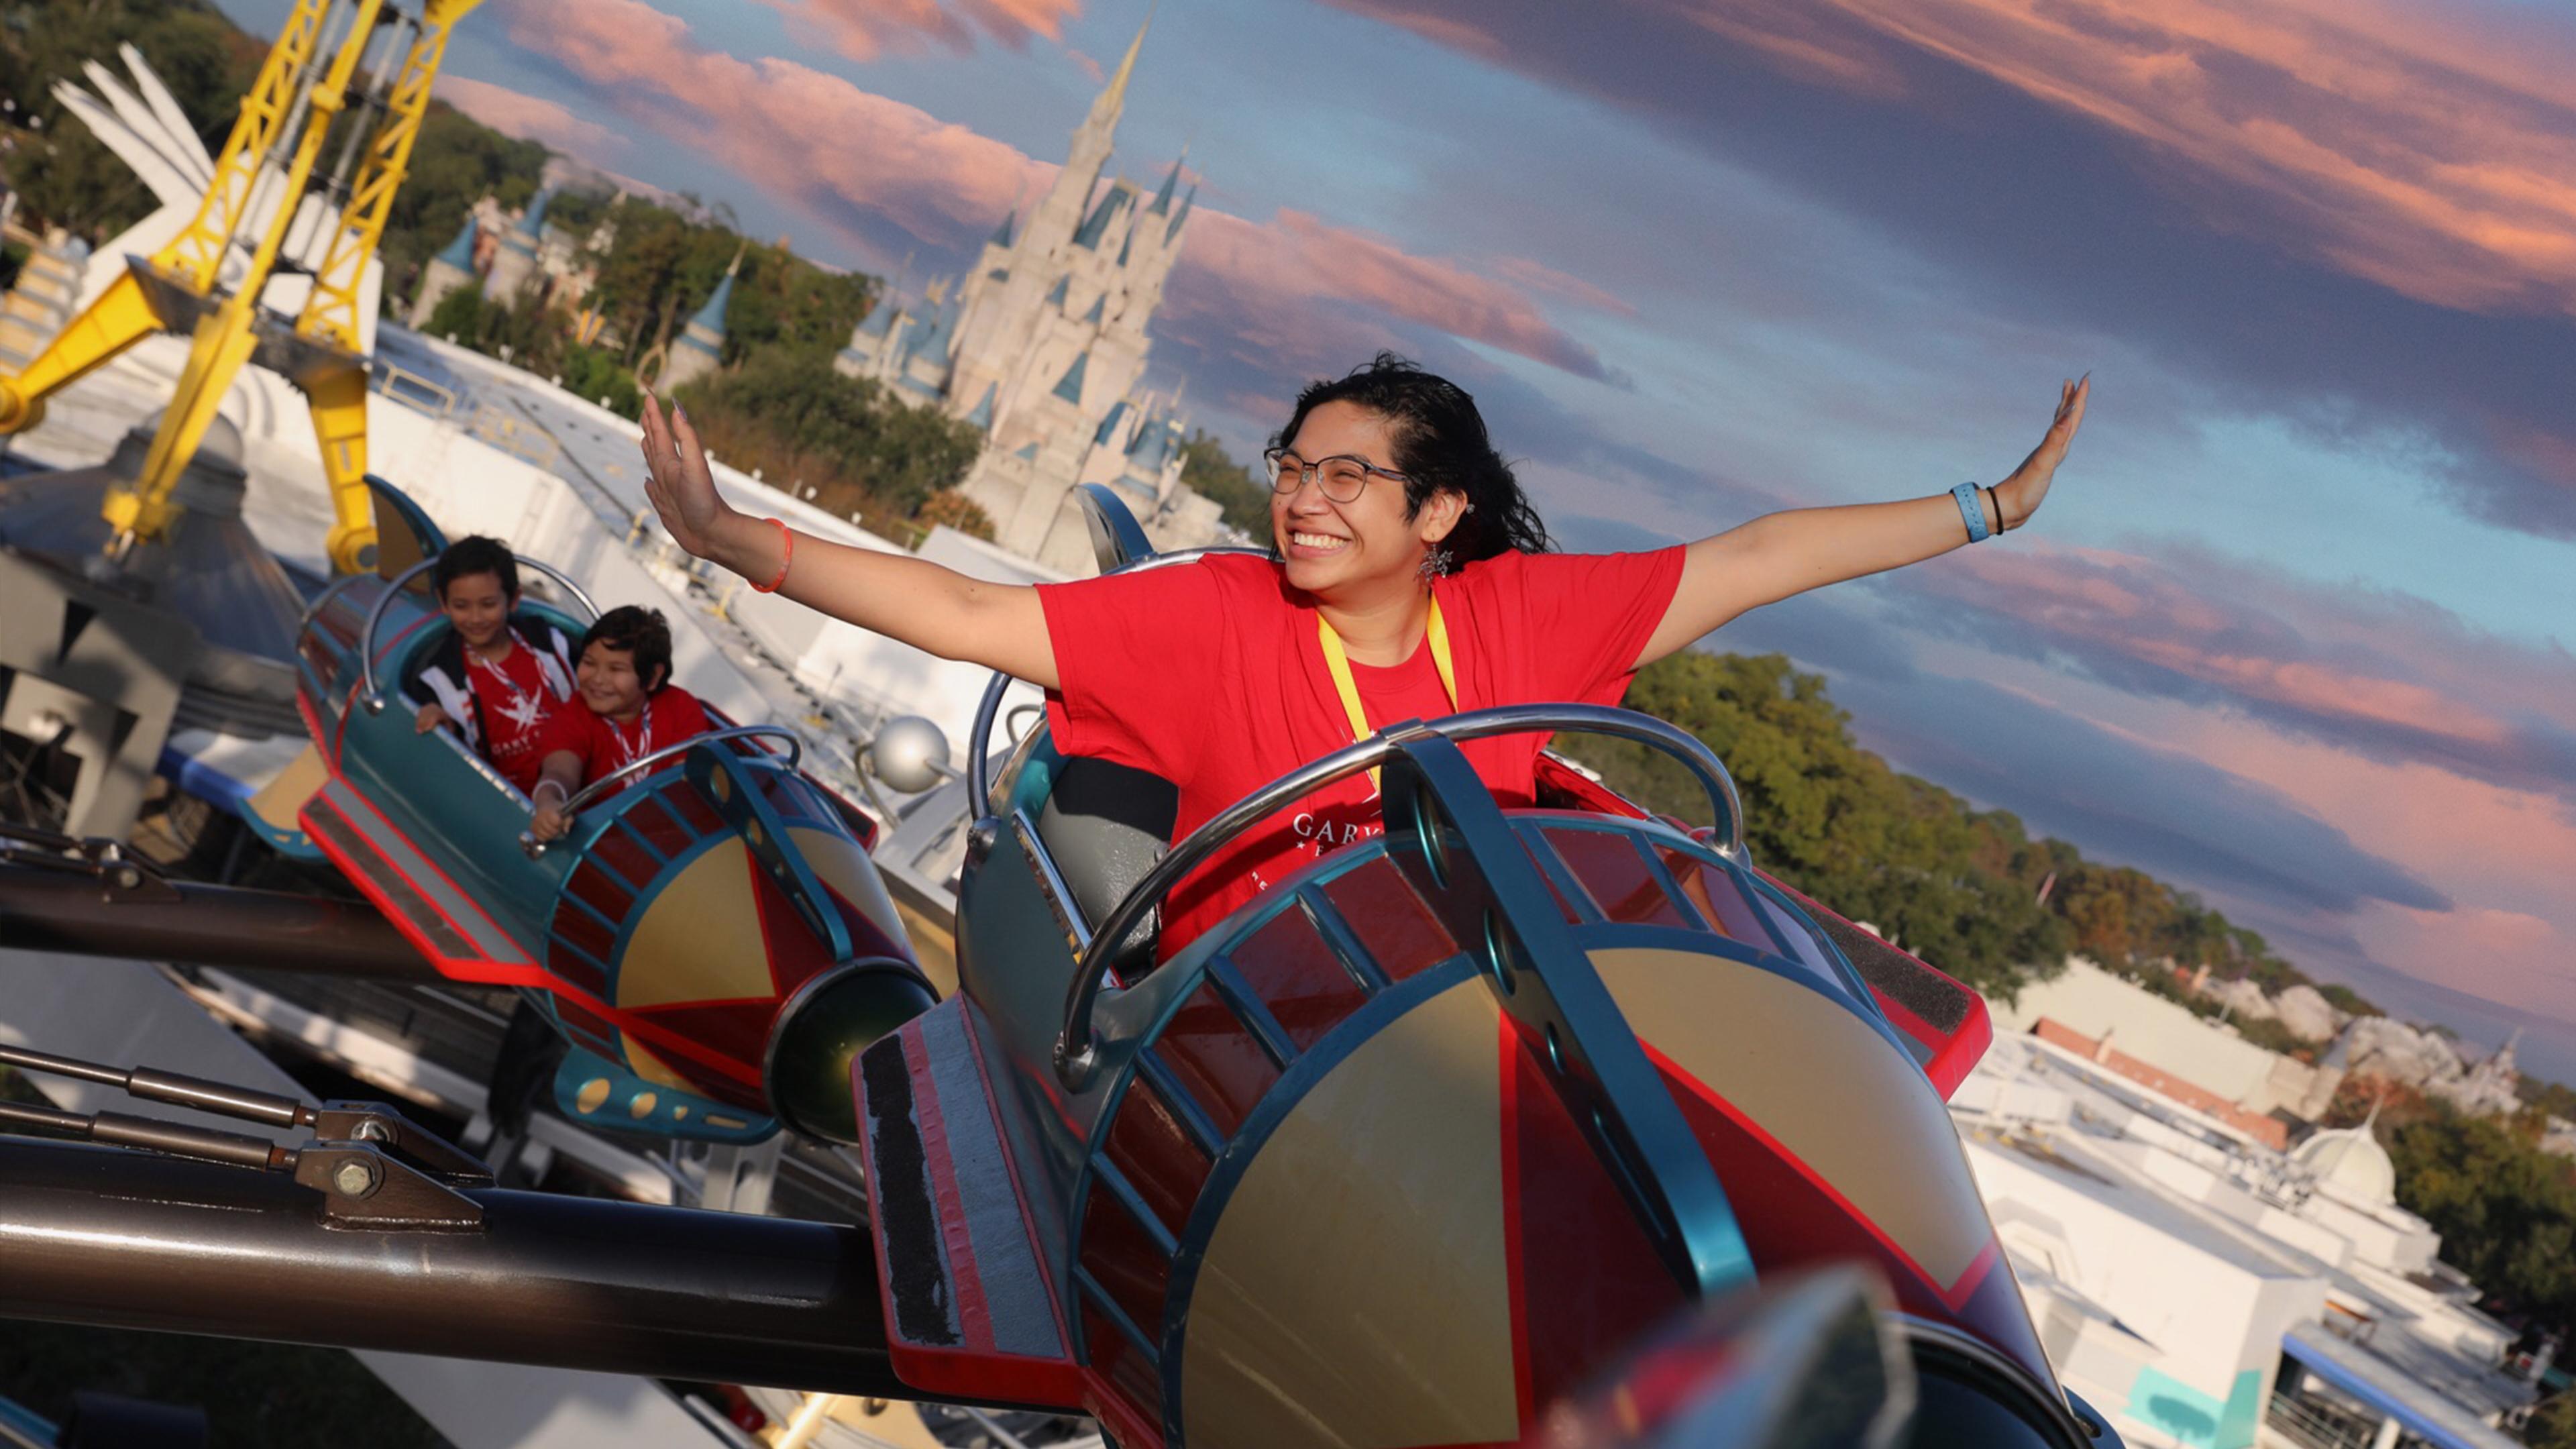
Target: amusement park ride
<point x="1559" y="1125"/>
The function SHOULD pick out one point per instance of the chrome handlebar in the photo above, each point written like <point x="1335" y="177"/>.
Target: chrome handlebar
<point x="584" y="797"/>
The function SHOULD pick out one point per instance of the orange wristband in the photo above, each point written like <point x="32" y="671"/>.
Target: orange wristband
<point x="786" y="556"/>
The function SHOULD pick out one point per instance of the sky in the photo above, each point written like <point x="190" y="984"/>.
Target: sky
<point x="2293" y="631"/>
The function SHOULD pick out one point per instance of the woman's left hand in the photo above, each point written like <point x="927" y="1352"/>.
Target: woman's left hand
<point x="2019" y="496"/>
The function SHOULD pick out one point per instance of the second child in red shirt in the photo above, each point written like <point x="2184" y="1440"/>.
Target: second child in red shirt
<point x="627" y="708"/>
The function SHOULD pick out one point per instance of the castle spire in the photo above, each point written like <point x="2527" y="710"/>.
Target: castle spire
<point x="1163" y="199"/>
<point x="1114" y="100"/>
<point x="711" y="317"/>
<point x="460" y="252"/>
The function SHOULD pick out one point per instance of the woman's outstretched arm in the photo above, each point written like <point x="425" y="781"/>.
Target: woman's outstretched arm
<point x="1780" y="554"/>
<point x="935" y="609"/>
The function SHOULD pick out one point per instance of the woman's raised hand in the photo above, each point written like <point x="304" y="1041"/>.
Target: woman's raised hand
<point x="2019" y="496"/>
<point x="677" y="481"/>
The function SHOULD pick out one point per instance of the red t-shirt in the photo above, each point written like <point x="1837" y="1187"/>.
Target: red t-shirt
<point x="670" y="714"/>
<point x="516" y="704"/>
<point x="1210" y="674"/>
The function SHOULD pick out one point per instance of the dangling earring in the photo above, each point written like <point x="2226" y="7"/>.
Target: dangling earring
<point x="1435" y="562"/>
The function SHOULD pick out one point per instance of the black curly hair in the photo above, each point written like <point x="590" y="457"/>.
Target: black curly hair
<point x="642" y="631"/>
<point x="476" y="554"/>
<point x="1440" y="442"/>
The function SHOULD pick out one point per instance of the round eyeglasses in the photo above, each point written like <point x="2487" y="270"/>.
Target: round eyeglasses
<point x="1341" y="476"/>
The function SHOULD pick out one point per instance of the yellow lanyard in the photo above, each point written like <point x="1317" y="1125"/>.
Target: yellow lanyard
<point x="1339" y="663"/>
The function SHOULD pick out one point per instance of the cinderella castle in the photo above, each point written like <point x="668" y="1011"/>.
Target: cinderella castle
<point x="1042" y="344"/>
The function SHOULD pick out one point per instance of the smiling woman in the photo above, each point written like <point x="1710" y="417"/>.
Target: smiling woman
<point x="1410" y="579"/>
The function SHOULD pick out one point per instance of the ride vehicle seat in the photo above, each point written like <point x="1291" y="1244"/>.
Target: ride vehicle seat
<point x="1105" y="825"/>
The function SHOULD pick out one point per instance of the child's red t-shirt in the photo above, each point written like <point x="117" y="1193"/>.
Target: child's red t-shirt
<point x="1211" y="675"/>
<point x="517" y="705"/>
<point x="670" y="714"/>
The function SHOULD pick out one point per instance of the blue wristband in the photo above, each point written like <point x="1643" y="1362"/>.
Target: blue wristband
<point x="1972" y="509"/>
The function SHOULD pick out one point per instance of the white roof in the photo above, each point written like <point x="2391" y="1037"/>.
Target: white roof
<point x="2349" y="1163"/>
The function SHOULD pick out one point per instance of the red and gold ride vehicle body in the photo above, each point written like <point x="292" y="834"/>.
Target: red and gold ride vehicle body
<point x="1426" y="1136"/>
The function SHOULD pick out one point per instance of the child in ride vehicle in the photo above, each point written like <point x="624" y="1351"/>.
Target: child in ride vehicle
<point x="497" y="679"/>
<point x="628" y="709"/>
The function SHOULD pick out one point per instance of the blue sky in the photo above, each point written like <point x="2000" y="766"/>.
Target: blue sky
<point x="2295" y="628"/>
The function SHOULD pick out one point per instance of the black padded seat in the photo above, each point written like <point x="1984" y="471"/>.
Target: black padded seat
<point x="1106" y="825"/>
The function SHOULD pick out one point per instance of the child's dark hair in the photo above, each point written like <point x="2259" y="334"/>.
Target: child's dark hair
<point x="475" y="554"/>
<point x="641" y="632"/>
<point x="1440" y="443"/>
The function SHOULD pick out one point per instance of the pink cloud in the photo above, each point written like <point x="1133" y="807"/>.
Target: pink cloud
<point x="1539" y="277"/>
<point x="2422" y="146"/>
<point x="1277" y="289"/>
<point x="784" y="127"/>
<point x="2371" y="670"/>
<point x="866" y="29"/>
<point x="2501" y="855"/>
<point x="2476" y="839"/>
<point x="530" y="118"/>
<point x="1270" y="279"/>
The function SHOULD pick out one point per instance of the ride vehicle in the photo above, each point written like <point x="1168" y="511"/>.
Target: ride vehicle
<point x="1408" y="1145"/>
<point x="710" y="937"/>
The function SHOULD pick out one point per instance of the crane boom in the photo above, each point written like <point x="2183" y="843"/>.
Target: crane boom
<point x="287" y="113"/>
<point x="333" y="373"/>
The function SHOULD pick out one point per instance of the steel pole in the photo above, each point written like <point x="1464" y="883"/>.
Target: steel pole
<point x="126" y="1239"/>
<point x="45" y="909"/>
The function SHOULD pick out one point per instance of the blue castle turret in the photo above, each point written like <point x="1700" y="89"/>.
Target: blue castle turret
<point x="452" y="268"/>
<point x="514" y="263"/>
<point x="700" y="346"/>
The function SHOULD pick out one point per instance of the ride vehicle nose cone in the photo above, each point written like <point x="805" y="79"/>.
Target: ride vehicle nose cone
<point x="820" y="1033"/>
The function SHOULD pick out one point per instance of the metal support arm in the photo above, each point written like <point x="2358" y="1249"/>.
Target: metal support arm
<point x="133" y="1240"/>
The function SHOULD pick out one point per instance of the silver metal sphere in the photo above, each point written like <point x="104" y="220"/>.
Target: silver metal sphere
<point x="910" y="754"/>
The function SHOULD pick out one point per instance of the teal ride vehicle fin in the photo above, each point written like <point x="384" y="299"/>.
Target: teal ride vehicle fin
<point x="271" y="811"/>
<point x="591" y="1088"/>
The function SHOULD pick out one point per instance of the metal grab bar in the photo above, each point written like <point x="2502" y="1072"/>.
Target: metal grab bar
<point x="588" y="794"/>
<point x="979" y="737"/>
<point x="322" y="600"/>
<point x="374" y="698"/>
<point x="1074" y="1047"/>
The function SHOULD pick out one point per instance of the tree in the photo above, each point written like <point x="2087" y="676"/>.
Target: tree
<point x="957" y="511"/>
<point x="661" y="267"/>
<point x="65" y="175"/>
<point x="1207" y="469"/>
<point x="2505" y="1209"/>
<point x="2553" y="1424"/>
<point x="459" y="314"/>
<point x="793" y="417"/>
<point x="2554" y="1098"/>
<point x="595" y="374"/>
<point x="1834" y="821"/>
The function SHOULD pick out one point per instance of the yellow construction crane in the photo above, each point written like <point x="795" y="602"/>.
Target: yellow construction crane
<point x="285" y="117"/>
